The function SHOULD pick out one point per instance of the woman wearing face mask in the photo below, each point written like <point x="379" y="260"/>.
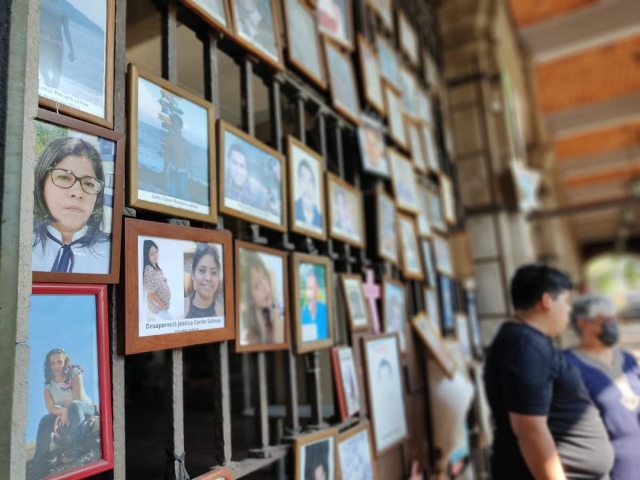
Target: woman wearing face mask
<point x="612" y="378"/>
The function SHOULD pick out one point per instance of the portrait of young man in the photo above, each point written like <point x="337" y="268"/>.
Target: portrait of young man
<point x="239" y="186"/>
<point x="306" y="207"/>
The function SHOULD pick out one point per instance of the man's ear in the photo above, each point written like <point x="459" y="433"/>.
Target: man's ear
<point x="546" y="302"/>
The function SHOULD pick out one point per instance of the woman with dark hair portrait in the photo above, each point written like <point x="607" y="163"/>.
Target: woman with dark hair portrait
<point x="72" y="417"/>
<point x="261" y="319"/>
<point x="68" y="220"/>
<point x="206" y="283"/>
<point x="155" y="283"/>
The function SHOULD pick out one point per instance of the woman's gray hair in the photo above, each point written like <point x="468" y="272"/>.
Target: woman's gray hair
<point x="590" y="307"/>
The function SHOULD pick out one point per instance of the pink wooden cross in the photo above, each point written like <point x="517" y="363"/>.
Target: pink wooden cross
<point x="372" y="292"/>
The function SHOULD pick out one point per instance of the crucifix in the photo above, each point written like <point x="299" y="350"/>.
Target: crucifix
<point x="372" y="292"/>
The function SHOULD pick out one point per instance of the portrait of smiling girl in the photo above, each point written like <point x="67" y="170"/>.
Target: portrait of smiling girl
<point x="206" y="285"/>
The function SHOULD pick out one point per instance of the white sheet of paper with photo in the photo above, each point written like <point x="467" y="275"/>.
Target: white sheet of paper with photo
<point x="349" y="381"/>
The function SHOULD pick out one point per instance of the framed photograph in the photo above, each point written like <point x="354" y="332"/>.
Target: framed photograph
<point x="373" y="149"/>
<point x="425" y="108"/>
<point x="371" y="75"/>
<point x="304" y="49"/>
<point x="69" y="428"/>
<point x="357" y="308"/>
<point x="444" y="262"/>
<point x="385" y="391"/>
<point x="346" y="382"/>
<point x="462" y="335"/>
<point x="427" y="260"/>
<point x="411" y="263"/>
<point x="424" y="219"/>
<point x="434" y="344"/>
<point x="395" y="117"/>
<point x="342" y="81"/>
<point x="335" y="22"/>
<point x="394" y="310"/>
<point x="403" y="181"/>
<point x="315" y="455"/>
<point x="77" y="213"/>
<point x="306" y="190"/>
<point x="255" y="24"/>
<point x="409" y="89"/>
<point x="445" y="287"/>
<point x="408" y="39"/>
<point x="415" y="145"/>
<point x="356" y="457"/>
<point x="252" y="181"/>
<point x="433" y="308"/>
<point x="431" y="151"/>
<point x="312" y="283"/>
<point x="75" y="69"/>
<point x="435" y="212"/>
<point x="216" y="13"/>
<point x="178" y="286"/>
<point x="389" y="65"/>
<point x="448" y="200"/>
<point x="262" y="298"/>
<point x="387" y="233"/>
<point x="171" y="168"/>
<point x="384" y="9"/>
<point x="345" y="212"/>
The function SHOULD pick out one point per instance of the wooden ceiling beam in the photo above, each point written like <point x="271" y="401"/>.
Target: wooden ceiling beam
<point x="617" y="137"/>
<point x="607" y="176"/>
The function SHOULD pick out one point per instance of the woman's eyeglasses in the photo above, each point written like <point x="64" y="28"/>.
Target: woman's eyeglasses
<point x="66" y="179"/>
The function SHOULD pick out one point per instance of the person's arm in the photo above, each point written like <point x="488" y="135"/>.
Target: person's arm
<point x="537" y="446"/>
<point x="60" y="412"/>
<point x="154" y="298"/>
<point x="77" y="387"/>
<point x="67" y="35"/>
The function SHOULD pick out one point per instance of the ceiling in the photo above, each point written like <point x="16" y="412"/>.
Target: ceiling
<point x="587" y="76"/>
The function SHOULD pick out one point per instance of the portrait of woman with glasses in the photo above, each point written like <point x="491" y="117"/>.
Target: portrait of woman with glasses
<point x="69" y="211"/>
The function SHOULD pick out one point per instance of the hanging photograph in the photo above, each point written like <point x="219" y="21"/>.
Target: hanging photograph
<point x="403" y="181"/>
<point x="431" y="151"/>
<point x="434" y="344"/>
<point x="262" y="298"/>
<point x="409" y="90"/>
<point x="304" y="48"/>
<point x="373" y="149"/>
<point x="371" y="75"/>
<point x="77" y="211"/>
<point x="394" y="309"/>
<point x="346" y="382"/>
<point x="306" y="190"/>
<point x="433" y="308"/>
<point x="387" y="233"/>
<point x="315" y="456"/>
<point x="384" y="9"/>
<point x="171" y="149"/>
<point x="342" y="80"/>
<point x="215" y="12"/>
<point x="435" y="212"/>
<point x="334" y="21"/>
<point x="442" y="250"/>
<point x="356" y="455"/>
<point x="179" y="286"/>
<point x="427" y="260"/>
<point x="424" y="108"/>
<point x="69" y="431"/>
<point x="256" y="27"/>
<point x="448" y="200"/>
<point x="424" y="218"/>
<point x="395" y="117"/>
<point x="357" y="308"/>
<point x="408" y="39"/>
<point x="252" y="183"/>
<point x="385" y="391"/>
<point x="389" y="65"/>
<point x="75" y="70"/>
<point x="345" y="212"/>
<point x="411" y="263"/>
<point x="415" y="145"/>
<point x="312" y="289"/>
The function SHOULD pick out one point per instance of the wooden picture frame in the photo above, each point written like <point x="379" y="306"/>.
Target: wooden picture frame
<point x="263" y="184"/>
<point x="226" y="26"/>
<point x="319" y="78"/>
<point x="431" y="150"/>
<point x="110" y="145"/>
<point x="409" y="89"/>
<point x="408" y="39"/>
<point x="434" y="344"/>
<point x="185" y="323"/>
<point x="56" y="98"/>
<point x="444" y="260"/>
<point x="347" y="21"/>
<point x="387" y="234"/>
<point x="389" y="64"/>
<point x="436" y="214"/>
<point x="219" y="473"/>
<point x="300" y="156"/>
<point x="403" y="181"/>
<point x="371" y="75"/>
<point x="70" y="308"/>
<point x="355" y="434"/>
<point x="353" y="294"/>
<point x="301" y="444"/>
<point x="427" y="261"/>
<point x="394" y="310"/>
<point x="395" y="117"/>
<point x="273" y="59"/>
<point x="314" y="329"/>
<point x="416" y="145"/>
<point x="432" y="306"/>
<point x="345" y="379"/>
<point x="409" y="251"/>
<point x="384" y="12"/>
<point x="262" y="262"/>
<point x="373" y="149"/>
<point x="343" y="218"/>
<point x="171" y="101"/>
<point x="342" y="89"/>
<point x="381" y="353"/>
<point x="423" y="218"/>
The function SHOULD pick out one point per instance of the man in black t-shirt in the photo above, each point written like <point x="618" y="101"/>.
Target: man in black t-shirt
<point x="546" y="427"/>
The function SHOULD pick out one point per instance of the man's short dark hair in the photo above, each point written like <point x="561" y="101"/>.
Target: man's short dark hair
<point x="305" y="164"/>
<point x="531" y="282"/>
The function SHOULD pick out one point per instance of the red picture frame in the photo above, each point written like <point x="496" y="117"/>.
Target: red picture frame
<point x="340" y="385"/>
<point x="104" y="383"/>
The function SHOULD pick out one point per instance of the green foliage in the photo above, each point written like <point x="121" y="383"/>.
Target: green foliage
<point x="46" y="132"/>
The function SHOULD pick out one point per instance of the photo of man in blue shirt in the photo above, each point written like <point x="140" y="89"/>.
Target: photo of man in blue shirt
<point x="315" y="324"/>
